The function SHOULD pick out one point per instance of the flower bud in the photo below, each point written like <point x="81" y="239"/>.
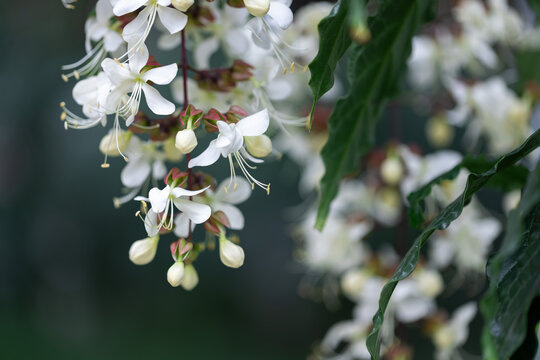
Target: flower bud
<point x="143" y="251"/>
<point x="257" y="7"/>
<point x="182" y="5"/>
<point x="439" y="132"/>
<point x="108" y="145"/>
<point x="186" y="141"/>
<point x="392" y="170"/>
<point x="175" y="274"/>
<point x="353" y="282"/>
<point x="258" y="146"/>
<point x="170" y="150"/>
<point x="191" y="279"/>
<point x="430" y="282"/>
<point x="444" y="337"/>
<point x="231" y="255"/>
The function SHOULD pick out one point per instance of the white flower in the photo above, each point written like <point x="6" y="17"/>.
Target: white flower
<point x="466" y="241"/>
<point x="101" y="31"/>
<point x="337" y="248"/>
<point x="129" y="79"/>
<point x="223" y="199"/>
<point x="91" y="94"/>
<point x="409" y="302"/>
<point x="230" y="144"/>
<point x="191" y="279"/>
<point x="143" y="251"/>
<point x="421" y="170"/>
<point x="175" y="274"/>
<point x="392" y="170"/>
<point x="163" y="203"/>
<point x="186" y="141"/>
<point x="138" y="29"/>
<point x="450" y="336"/>
<point x="231" y="255"/>
<point x="108" y="145"/>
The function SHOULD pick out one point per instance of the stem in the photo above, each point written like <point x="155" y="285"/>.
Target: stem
<point x="185" y="66"/>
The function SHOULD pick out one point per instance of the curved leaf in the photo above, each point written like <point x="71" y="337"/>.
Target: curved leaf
<point x="511" y="178"/>
<point x="474" y="183"/>
<point x="334" y="41"/>
<point x="513" y="276"/>
<point x="377" y="68"/>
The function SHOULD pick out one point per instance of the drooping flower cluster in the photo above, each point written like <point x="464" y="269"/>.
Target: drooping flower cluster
<point x="158" y="138"/>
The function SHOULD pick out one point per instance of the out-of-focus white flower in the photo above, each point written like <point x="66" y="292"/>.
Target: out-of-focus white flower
<point x="175" y="274"/>
<point x="409" y="302"/>
<point x="205" y="99"/>
<point x="421" y="170"/>
<point x="430" y="282"/>
<point x="465" y="242"/>
<point x="353" y="281"/>
<point x="511" y="200"/>
<point x="453" y="334"/>
<point x="231" y="255"/>
<point x="337" y="248"/>
<point x="143" y="251"/>
<point x="105" y="35"/>
<point x="186" y="141"/>
<point x="230" y="144"/>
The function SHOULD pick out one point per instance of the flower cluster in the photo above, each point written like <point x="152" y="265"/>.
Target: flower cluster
<point x="233" y="105"/>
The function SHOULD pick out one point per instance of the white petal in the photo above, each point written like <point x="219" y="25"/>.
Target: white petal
<point x="124" y="7"/>
<point x="281" y="14"/>
<point x="254" y="125"/>
<point x="137" y="25"/>
<point x="204" y="51"/>
<point x="113" y="40"/>
<point x="237" y="41"/>
<point x="157" y="103"/>
<point x="139" y="59"/>
<point x="116" y="72"/>
<point x="198" y="213"/>
<point x="236" y="219"/>
<point x="179" y="192"/>
<point x="172" y="19"/>
<point x="158" y="198"/>
<point x="181" y="225"/>
<point x="151" y="223"/>
<point x="208" y="156"/>
<point x="135" y="173"/>
<point x="236" y="194"/>
<point x="161" y="75"/>
<point x="159" y="170"/>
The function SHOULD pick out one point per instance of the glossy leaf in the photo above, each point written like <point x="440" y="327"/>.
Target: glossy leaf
<point x="511" y="178"/>
<point x="334" y="42"/>
<point x="377" y="68"/>
<point x="475" y="182"/>
<point x="513" y="276"/>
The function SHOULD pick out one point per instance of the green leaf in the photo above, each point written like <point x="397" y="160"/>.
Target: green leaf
<point x="474" y="183"/>
<point x="513" y="276"/>
<point x="511" y="178"/>
<point x="334" y="41"/>
<point x="377" y="69"/>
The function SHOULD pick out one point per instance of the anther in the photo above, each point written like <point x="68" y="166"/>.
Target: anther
<point x="76" y="74"/>
<point x="62" y="104"/>
<point x="268" y="190"/>
<point x="65" y="78"/>
<point x="63" y="116"/>
<point x="105" y="165"/>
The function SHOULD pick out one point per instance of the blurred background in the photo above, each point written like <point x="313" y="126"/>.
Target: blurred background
<point x="67" y="287"/>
